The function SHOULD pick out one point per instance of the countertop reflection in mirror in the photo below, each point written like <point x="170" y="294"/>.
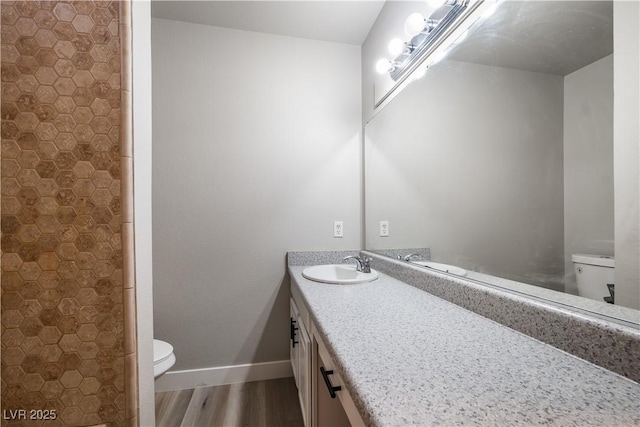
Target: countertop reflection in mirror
<point x="500" y="159"/>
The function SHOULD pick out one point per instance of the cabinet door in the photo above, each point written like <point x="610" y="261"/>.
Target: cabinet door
<point x="304" y="372"/>
<point x="294" y="345"/>
<point x="328" y="411"/>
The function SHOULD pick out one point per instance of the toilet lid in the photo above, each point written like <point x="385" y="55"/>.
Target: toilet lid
<point x="161" y="351"/>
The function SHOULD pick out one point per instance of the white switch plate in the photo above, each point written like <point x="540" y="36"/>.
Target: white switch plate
<point x="338" y="229"/>
<point x="384" y="228"/>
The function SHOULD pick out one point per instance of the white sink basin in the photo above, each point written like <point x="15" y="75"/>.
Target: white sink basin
<point x="442" y="267"/>
<point x="339" y="274"/>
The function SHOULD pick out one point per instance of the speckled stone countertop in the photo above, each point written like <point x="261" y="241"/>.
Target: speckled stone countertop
<point x="601" y="340"/>
<point x="410" y="358"/>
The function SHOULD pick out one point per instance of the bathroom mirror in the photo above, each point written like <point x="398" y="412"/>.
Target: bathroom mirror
<point x="500" y="159"/>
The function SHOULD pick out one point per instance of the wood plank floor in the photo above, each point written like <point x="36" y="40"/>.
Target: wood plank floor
<point x="271" y="403"/>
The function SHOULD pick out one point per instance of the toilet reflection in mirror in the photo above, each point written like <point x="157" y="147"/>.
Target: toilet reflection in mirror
<point x="595" y="276"/>
<point x="501" y="159"/>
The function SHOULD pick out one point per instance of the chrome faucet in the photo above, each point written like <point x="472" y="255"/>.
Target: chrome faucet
<point x="363" y="264"/>
<point x="410" y="257"/>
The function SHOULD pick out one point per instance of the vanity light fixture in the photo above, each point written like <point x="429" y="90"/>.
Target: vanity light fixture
<point x="397" y="46"/>
<point x="431" y="40"/>
<point x="414" y="24"/>
<point x="435" y="4"/>
<point x="424" y="35"/>
<point x="384" y="66"/>
<point x="421" y="71"/>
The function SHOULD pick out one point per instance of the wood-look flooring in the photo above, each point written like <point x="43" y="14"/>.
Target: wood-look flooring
<point x="270" y="403"/>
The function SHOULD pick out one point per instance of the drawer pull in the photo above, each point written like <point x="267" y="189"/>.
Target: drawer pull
<point x="327" y="381"/>
<point x="293" y="333"/>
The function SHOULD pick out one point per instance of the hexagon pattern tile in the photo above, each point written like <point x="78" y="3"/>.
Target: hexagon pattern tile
<point x="62" y="282"/>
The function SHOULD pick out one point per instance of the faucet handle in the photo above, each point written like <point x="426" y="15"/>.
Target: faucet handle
<point x="366" y="264"/>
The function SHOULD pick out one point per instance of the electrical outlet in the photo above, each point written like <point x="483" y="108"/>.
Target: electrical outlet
<point x="384" y="228"/>
<point x="338" y="229"/>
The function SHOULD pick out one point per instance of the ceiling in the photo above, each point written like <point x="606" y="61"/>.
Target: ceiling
<point x="553" y="37"/>
<point x="346" y="22"/>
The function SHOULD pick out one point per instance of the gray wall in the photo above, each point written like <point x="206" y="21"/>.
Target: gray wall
<point x="255" y="153"/>
<point x="468" y="161"/>
<point x="626" y="137"/>
<point x="588" y="164"/>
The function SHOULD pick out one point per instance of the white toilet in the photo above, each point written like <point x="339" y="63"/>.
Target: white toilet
<point x="163" y="357"/>
<point x="593" y="273"/>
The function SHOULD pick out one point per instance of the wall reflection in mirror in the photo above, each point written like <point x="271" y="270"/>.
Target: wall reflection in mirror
<point x="500" y="159"/>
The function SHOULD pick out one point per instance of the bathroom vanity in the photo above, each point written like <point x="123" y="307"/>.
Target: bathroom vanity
<point x="386" y="353"/>
<point x="315" y="375"/>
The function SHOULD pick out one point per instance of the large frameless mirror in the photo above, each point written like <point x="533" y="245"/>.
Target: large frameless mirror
<point x="500" y="159"/>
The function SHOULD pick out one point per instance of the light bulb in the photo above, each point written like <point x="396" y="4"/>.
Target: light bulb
<point x="436" y="4"/>
<point x="383" y="66"/>
<point x="414" y="24"/>
<point x="396" y="47"/>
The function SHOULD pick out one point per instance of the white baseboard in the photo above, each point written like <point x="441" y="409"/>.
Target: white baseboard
<point x="207" y="377"/>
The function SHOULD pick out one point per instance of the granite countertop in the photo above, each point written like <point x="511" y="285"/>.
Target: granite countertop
<point x="410" y="358"/>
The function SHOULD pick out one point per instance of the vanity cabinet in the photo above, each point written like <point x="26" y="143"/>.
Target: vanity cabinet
<point x="323" y="399"/>
<point x="304" y="373"/>
<point x="333" y="406"/>
<point x="300" y="353"/>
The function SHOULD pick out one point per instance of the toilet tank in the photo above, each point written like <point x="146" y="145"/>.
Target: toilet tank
<point x="593" y="273"/>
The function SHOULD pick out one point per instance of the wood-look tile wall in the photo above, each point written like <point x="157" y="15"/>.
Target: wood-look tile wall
<point x="63" y="284"/>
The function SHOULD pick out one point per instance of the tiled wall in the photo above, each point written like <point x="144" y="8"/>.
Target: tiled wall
<point x="63" y="321"/>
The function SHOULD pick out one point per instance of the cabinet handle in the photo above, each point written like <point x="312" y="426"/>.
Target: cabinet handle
<point x="327" y="381"/>
<point x="293" y="332"/>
